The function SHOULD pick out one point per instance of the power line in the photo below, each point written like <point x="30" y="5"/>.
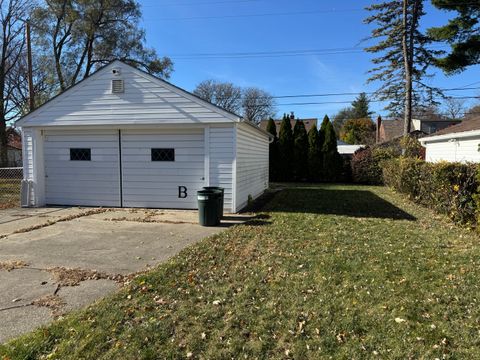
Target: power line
<point x="203" y="3"/>
<point x="211" y="17"/>
<point x="274" y="53"/>
<point x="292" y="96"/>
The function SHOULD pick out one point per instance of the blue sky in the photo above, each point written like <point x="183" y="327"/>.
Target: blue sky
<point x="182" y="29"/>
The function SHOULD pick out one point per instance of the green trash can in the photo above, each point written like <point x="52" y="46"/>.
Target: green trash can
<point x="208" y="207"/>
<point x="220" y="201"/>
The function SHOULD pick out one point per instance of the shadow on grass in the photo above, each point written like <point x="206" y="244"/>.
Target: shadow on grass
<point x="353" y="203"/>
<point x="254" y="220"/>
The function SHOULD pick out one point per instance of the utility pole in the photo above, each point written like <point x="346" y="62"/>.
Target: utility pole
<point x="31" y="98"/>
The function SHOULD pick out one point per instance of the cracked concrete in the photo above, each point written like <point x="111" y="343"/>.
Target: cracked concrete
<point x="122" y="241"/>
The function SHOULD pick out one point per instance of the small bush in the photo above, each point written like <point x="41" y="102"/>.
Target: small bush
<point x="448" y="188"/>
<point x="366" y="164"/>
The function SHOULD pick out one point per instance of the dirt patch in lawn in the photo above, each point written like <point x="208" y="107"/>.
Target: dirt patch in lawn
<point x="10" y="265"/>
<point x="73" y="277"/>
<point x="52" y="302"/>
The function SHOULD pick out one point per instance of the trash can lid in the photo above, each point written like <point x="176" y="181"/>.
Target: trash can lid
<point x="210" y="191"/>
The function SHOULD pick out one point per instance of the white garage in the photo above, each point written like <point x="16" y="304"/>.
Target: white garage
<point x="123" y="138"/>
<point x="458" y="143"/>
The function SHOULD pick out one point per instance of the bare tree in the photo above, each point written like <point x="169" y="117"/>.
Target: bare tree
<point x="223" y="94"/>
<point x="455" y="108"/>
<point x="83" y="35"/>
<point x="257" y="105"/>
<point x="252" y="103"/>
<point x="12" y="13"/>
<point x="473" y="112"/>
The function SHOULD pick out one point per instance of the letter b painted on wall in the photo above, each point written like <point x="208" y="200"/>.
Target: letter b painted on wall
<point x="182" y="192"/>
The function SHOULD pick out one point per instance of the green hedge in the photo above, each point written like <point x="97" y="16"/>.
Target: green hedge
<point x="448" y="188"/>
<point x="365" y="164"/>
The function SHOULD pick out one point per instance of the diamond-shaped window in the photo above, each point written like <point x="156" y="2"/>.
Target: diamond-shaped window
<point x="163" y="154"/>
<point x="80" y="154"/>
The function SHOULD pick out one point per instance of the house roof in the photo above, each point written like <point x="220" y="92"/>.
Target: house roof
<point x="57" y="100"/>
<point x="347" y="149"/>
<point x="14" y="139"/>
<point x="309" y="123"/>
<point x="467" y="125"/>
<point x="392" y="128"/>
<point x="467" y="128"/>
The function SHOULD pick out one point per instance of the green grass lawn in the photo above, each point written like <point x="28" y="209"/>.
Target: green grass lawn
<point x="324" y="272"/>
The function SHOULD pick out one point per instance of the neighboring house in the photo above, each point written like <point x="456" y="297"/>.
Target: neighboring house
<point x="431" y="126"/>
<point x="14" y="148"/>
<point x="388" y="130"/>
<point x="456" y="143"/>
<point x="124" y="138"/>
<point x="347" y="150"/>
<point x="309" y="123"/>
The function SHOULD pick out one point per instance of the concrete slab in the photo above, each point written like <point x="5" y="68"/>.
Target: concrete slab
<point x="117" y="241"/>
<point x="167" y="216"/>
<point x="16" y="322"/>
<point x="14" y="220"/>
<point x="86" y="293"/>
<point x="113" y="247"/>
<point x="22" y="286"/>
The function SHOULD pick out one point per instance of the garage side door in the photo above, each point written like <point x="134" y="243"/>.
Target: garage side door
<point x="162" y="169"/>
<point x="82" y="168"/>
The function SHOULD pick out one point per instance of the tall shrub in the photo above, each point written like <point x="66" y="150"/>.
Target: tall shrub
<point x="314" y="155"/>
<point x="285" y="149"/>
<point x="300" y="151"/>
<point x="274" y="160"/>
<point x="332" y="161"/>
<point x="447" y="188"/>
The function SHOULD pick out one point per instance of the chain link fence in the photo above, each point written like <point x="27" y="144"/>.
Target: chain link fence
<point x="10" y="186"/>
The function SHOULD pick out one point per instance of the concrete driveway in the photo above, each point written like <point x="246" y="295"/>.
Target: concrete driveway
<point x="54" y="260"/>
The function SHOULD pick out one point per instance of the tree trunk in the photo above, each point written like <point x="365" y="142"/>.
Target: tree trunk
<point x="3" y="125"/>
<point x="408" y="62"/>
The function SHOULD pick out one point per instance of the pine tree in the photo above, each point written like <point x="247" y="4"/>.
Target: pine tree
<point x="404" y="57"/>
<point x="332" y="161"/>
<point x="461" y="33"/>
<point x="273" y="150"/>
<point x="361" y="107"/>
<point x="314" y="155"/>
<point x="300" y="151"/>
<point x="285" y="149"/>
<point x="321" y="132"/>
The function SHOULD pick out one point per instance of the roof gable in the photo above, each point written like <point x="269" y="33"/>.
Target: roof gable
<point x="146" y="100"/>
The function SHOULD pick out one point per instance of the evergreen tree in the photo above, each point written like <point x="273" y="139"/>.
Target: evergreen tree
<point x="314" y="155"/>
<point x="285" y="148"/>
<point x="403" y="56"/>
<point x="273" y="150"/>
<point x="461" y="32"/>
<point x="361" y="107"/>
<point x="321" y="132"/>
<point x="300" y="151"/>
<point x="332" y="161"/>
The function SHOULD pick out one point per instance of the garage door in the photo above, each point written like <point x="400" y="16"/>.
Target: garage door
<point x="162" y="169"/>
<point x="82" y="168"/>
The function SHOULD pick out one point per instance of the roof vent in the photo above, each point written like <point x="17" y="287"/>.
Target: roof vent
<point x="117" y="86"/>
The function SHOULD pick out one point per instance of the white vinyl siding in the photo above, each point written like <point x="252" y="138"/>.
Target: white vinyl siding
<point x="252" y="164"/>
<point x="88" y="183"/>
<point x="459" y="150"/>
<point x="221" y="140"/>
<point x="155" y="184"/>
<point x="149" y="114"/>
<point x="145" y="100"/>
<point x="28" y="155"/>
